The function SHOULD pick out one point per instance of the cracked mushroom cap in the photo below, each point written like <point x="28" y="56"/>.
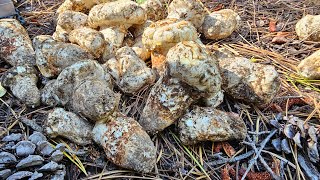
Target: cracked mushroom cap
<point x="155" y="9"/>
<point x="52" y="56"/>
<point x="220" y="24"/>
<point x="248" y="81"/>
<point x="70" y="20"/>
<point x="189" y="10"/>
<point x="123" y="13"/>
<point x="79" y="5"/>
<point x="191" y="63"/>
<point x="168" y="100"/>
<point x="22" y="81"/>
<point x="308" y="28"/>
<point x="69" y="125"/>
<point x="15" y="44"/>
<point x="125" y="143"/>
<point x="89" y="39"/>
<point x="209" y="124"/>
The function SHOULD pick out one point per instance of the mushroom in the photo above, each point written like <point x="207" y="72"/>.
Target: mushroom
<point x="68" y="21"/>
<point x="189" y="10"/>
<point x="89" y="39"/>
<point x="60" y="91"/>
<point x="160" y="36"/>
<point x="308" y="28"/>
<point x="113" y="19"/>
<point x="125" y="143"/>
<point x="138" y="46"/>
<point x="15" y="44"/>
<point x="79" y="5"/>
<point x="155" y="9"/>
<point x="131" y="73"/>
<point x="220" y="24"/>
<point x="168" y="100"/>
<point x="248" y="81"/>
<point x="52" y="56"/>
<point x="209" y="124"/>
<point x="309" y="67"/>
<point x="68" y="125"/>
<point x="22" y="81"/>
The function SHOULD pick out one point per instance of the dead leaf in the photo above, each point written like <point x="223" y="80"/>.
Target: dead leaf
<point x="276" y="143"/>
<point x="285" y="146"/>
<point x="313" y="152"/>
<point x="217" y="147"/>
<point x="312" y="133"/>
<point x="289" y="131"/>
<point x="225" y="173"/>
<point x="228" y="149"/>
<point x="296" y="139"/>
<point x="272" y="25"/>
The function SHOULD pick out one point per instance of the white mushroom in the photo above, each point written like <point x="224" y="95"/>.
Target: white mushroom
<point x="15" y="44"/>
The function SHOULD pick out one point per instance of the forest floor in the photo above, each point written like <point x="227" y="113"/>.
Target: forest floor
<point x="266" y="35"/>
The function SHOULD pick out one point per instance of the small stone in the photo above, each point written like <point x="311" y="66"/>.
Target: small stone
<point x="20" y="175"/>
<point x="45" y="148"/>
<point x="308" y="28"/>
<point x="59" y="175"/>
<point x="209" y="124"/>
<point x="37" y="137"/>
<point x="310" y="66"/>
<point x="9" y="146"/>
<point x="2" y="166"/>
<point x="61" y="147"/>
<point x="5" y="173"/>
<point x="31" y="160"/>
<point x="56" y="156"/>
<point x="7" y="158"/>
<point x="35" y="176"/>
<point x="50" y="167"/>
<point x="12" y="137"/>
<point x="24" y="148"/>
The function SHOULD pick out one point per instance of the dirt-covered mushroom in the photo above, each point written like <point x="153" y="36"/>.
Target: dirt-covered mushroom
<point x="310" y="66"/>
<point x="89" y="39"/>
<point x="209" y="124"/>
<point x="168" y="100"/>
<point x="189" y="10"/>
<point x="68" y="21"/>
<point x="69" y="125"/>
<point x="133" y="72"/>
<point x="191" y="63"/>
<point x="220" y="24"/>
<point x="160" y="36"/>
<point x="308" y="28"/>
<point x="52" y="56"/>
<point x="114" y="37"/>
<point x="140" y="50"/>
<point x="125" y="143"/>
<point x="248" y="81"/>
<point x="60" y="91"/>
<point x="15" y="44"/>
<point x="79" y="5"/>
<point x="22" y="81"/>
<point x="95" y="100"/>
<point x="155" y="9"/>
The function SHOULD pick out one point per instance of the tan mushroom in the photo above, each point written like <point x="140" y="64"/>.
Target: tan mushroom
<point x="125" y="143"/>
<point x="131" y="72"/>
<point x="160" y="36"/>
<point x="209" y="124"/>
<point x="168" y="100"/>
<point x="22" y="81"/>
<point x="89" y="39"/>
<point x="52" y="56"/>
<point x="155" y="9"/>
<point x="68" y="125"/>
<point x="79" y="5"/>
<point x="308" y="28"/>
<point x="220" y="24"/>
<point x="15" y="44"/>
<point x="189" y="10"/>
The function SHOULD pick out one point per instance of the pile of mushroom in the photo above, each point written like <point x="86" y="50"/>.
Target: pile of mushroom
<point x="88" y="57"/>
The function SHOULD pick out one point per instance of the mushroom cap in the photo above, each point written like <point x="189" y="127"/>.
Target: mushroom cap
<point x="80" y="5"/>
<point x="121" y="12"/>
<point x="308" y="28"/>
<point x="220" y="24"/>
<point x="191" y="63"/>
<point x="70" y="20"/>
<point x="155" y="9"/>
<point x="189" y="10"/>
<point x="162" y="35"/>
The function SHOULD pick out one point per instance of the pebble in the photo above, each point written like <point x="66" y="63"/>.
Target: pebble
<point x="56" y="156"/>
<point x="31" y="160"/>
<point x="36" y="175"/>
<point x="12" y="137"/>
<point x="45" y="148"/>
<point x="20" y="175"/>
<point x="59" y="175"/>
<point x="37" y="137"/>
<point x="24" y="148"/>
<point x="5" y="173"/>
<point x="7" y="158"/>
<point x="50" y="167"/>
<point x="9" y="146"/>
